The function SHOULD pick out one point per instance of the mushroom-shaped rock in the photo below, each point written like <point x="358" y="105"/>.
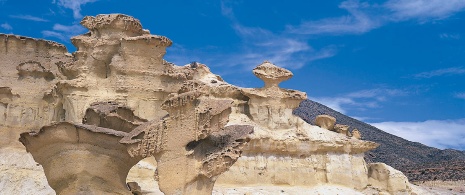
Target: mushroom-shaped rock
<point x="356" y="134"/>
<point x="192" y="146"/>
<point x="81" y="159"/>
<point x="271" y="74"/>
<point x="109" y="24"/>
<point x="271" y="106"/>
<point x="86" y="158"/>
<point x="325" y="121"/>
<point x="342" y="129"/>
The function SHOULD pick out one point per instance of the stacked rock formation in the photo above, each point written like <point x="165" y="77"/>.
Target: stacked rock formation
<point x="89" y="116"/>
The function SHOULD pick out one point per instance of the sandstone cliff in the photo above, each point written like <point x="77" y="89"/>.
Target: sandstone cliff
<point x="89" y="116"/>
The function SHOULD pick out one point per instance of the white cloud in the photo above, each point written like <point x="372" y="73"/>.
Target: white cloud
<point x="362" y="99"/>
<point x="437" y="133"/>
<point x="6" y="26"/>
<point x="423" y="10"/>
<point x="364" y="17"/>
<point x="257" y="45"/>
<point x="336" y="103"/>
<point x="74" y="5"/>
<point x="460" y="95"/>
<point x="48" y="33"/>
<point x="72" y="29"/>
<point x="357" y="22"/>
<point x="441" y="72"/>
<point x="260" y="44"/>
<point x="450" y="36"/>
<point x="29" y="17"/>
<point x="64" y="32"/>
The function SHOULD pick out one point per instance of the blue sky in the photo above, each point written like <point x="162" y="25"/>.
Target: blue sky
<point x="396" y="64"/>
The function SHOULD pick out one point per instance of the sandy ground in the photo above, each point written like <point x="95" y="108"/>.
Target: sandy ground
<point x="443" y="187"/>
<point x="282" y="190"/>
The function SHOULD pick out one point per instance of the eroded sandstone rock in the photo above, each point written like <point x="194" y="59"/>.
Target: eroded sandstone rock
<point x="342" y="129"/>
<point x="286" y="151"/>
<point x="117" y="88"/>
<point x="191" y="145"/>
<point x="86" y="158"/>
<point x="325" y="122"/>
<point x="384" y="178"/>
<point x="28" y="73"/>
<point x="356" y="134"/>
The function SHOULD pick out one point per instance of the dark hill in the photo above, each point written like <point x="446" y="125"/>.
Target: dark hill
<point x="412" y="158"/>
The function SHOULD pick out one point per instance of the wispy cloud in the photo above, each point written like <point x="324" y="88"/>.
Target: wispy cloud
<point x="423" y="10"/>
<point x="29" y="17"/>
<point x="364" y="17"/>
<point x="291" y="51"/>
<point x="362" y="99"/>
<point x="437" y="133"/>
<point x="258" y="44"/>
<point x="460" y="95"/>
<point x="6" y="26"/>
<point x="450" y="36"/>
<point x="48" y="33"/>
<point x="64" y="32"/>
<point x="357" y="22"/>
<point x="441" y="72"/>
<point x="74" y="5"/>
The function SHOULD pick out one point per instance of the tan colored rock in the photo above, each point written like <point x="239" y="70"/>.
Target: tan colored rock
<point x="67" y="151"/>
<point x="134" y="188"/>
<point x="272" y="106"/>
<point x="325" y="121"/>
<point x="28" y="73"/>
<point x="191" y="145"/>
<point x="342" y="129"/>
<point x="387" y="180"/>
<point x="271" y="74"/>
<point x="76" y="154"/>
<point x="356" y="134"/>
<point x="284" y="146"/>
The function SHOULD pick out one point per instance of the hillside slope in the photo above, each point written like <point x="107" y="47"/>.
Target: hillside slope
<point x="412" y="158"/>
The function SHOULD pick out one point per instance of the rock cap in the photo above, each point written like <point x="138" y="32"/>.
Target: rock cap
<point x="271" y="74"/>
<point x="110" y="23"/>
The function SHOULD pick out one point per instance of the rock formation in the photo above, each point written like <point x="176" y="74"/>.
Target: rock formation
<point x="325" y="121"/>
<point x="88" y="117"/>
<point x="386" y="179"/>
<point x="86" y="158"/>
<point x="356" y="134"/>
<point x="342" y="129"/>
<point x="191" y="145"/>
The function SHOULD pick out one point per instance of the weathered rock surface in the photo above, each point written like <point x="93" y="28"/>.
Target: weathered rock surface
<point x="325" y="121"/>
<point x="191" y="145"/>
<point x="116" y="94"/>
<point x="86" y="158"/>
<point x="76" y="160"/>
<point x="356" y="134"/>
<point x="386" y="179"/>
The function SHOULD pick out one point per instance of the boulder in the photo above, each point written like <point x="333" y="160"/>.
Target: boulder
<point x="325" y="122"/>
